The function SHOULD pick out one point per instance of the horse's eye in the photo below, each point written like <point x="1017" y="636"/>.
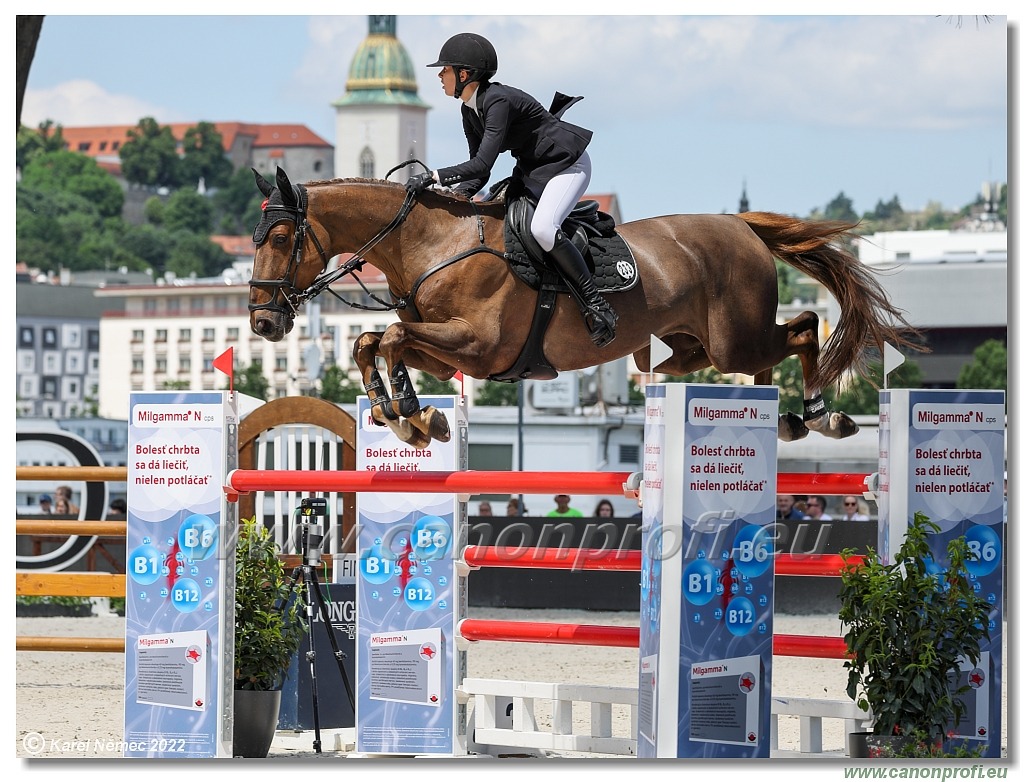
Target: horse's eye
<point x="279" y="239"/>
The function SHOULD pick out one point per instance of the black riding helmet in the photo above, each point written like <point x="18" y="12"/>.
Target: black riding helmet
<point x="471" y="52"/>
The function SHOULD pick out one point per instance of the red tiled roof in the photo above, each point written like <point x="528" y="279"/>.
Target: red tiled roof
<point x="234" y="245"/>
<point x="104" y="141"/>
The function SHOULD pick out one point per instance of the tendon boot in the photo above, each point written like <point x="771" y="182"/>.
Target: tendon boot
<point x="598" y="314"/>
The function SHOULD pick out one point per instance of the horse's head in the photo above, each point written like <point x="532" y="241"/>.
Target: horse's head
<point x="280" y="271"/>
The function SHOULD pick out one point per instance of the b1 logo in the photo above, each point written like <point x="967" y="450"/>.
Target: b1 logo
<point x="70" y="449"/>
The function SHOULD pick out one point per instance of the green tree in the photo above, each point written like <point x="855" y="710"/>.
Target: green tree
<point x="194" y="254"/>
<point x="250" y="381"/>
<point x="494" y="394"/>
<point x="46" y="138"/>
<point x="75" y="174"/>
<point x="51" y="225"/>
<point x="428" y="384"/>
<point x="237" y="204"/>
<point x="706" y="375"/>
<point x="187" y="210"/>
<point x="150" y="156"/>
<point x="789" y="377"/>
<point x="335" y="386"/>
<point x="857" y="395"/>
<point x="204" y="157"/>
<point x="987" y="369"/>
<point x="841" y="208"/>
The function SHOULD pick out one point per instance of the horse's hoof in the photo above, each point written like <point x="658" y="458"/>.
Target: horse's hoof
<point x="791" y="428"/>
<point x="437" y="424"/>
<point x="834" y="425"/>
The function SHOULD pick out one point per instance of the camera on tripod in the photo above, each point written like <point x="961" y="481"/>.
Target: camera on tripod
<point x="311" y="532"/>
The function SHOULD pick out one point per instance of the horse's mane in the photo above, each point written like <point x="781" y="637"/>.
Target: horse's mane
<point x="446" y="193"/>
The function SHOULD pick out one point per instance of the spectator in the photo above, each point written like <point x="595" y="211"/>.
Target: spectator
<point x="784" y="509"/>
<point x="816" y="505"/>
<point x="117" y="507"/>
<point x="512" y="509"/>
<point x="65" y="492"/>
<point x="604" y="509"/>
<point x="562" y="508"/>
<point x="851" y="509"/>
<point x="61" y="507"/>
<point x="45" y="503"/>
<point x="484" y="509"/>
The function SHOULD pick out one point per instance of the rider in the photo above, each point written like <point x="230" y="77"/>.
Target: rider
<point x="551" y="160"/>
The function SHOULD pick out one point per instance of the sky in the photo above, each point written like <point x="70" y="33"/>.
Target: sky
<point x="686" y="111"/>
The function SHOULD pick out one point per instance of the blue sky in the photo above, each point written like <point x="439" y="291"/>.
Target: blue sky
<point x="685" y="109"/>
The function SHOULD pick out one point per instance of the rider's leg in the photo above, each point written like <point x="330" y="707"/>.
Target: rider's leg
<point x="558" y="198"/>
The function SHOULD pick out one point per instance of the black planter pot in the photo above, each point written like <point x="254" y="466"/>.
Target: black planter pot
<point x="256" y="713"/>
<point x="872" y="745"/>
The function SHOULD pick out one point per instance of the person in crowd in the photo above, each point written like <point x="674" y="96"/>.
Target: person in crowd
<point x="66" y="493"/>
<point x="512" y="509"/>
<point x="852" y="510"/>
<point x="604" y="509"/>
<point x="45" y="503"/>
<point x="551" y="155"/>
<point x="785" y="508"/>
<point x="61" y="507"/>
<point x="562" y="508"/>
<point x="484" y="509"/>
<point x="816" y="505"/>
<point x="117" y="507"/>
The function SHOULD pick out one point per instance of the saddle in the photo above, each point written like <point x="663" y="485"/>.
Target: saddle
<point x="593" y="232"/>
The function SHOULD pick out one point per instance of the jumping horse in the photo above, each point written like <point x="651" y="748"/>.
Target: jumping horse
<point x="706" y="287"/>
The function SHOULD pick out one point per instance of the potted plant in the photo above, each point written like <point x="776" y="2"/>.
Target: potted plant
<point x="267" y="635"/>
<point x="908" y="625"/>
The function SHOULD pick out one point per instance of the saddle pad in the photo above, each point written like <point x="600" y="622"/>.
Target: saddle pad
<point x="609" y="257"/>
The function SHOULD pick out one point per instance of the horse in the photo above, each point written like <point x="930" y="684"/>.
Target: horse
<point x="707" y="288"/>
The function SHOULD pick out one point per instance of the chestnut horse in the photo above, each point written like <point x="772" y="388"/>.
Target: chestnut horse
<point x="707" y="288"/>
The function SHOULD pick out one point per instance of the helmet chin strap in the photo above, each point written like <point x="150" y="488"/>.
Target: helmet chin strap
<point x="460" y="85"/>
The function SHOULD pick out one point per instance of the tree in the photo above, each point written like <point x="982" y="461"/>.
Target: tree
<point x="47" y="138"/>
<point x="237" y="204"/>
<point x="150" y="156"/>
<point x="987" y="369"/>
<point x="336" y="387"/>
<point x="186" y="210"/>
<point x="194" y="254"/>
<point x="70" y="172"/>
<point x="857" y="396"/>
<point x="494" y="394"/>
<point x="841" y="208"/>
<point x="706" y="375"/>
<point x="428" y="384"/>
<point x="250" y="381"/>
<point x="204" y="157"/>
<point x="788" y="376"/>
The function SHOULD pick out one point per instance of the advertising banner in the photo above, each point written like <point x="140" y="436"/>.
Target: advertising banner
<point x="942" y="453"/>
<point x="179" y="607"/>
<point x="410" y="596"/>
<point x="707" y="579"/>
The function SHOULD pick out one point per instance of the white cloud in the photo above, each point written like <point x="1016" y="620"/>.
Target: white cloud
<point x="81" y="102"/>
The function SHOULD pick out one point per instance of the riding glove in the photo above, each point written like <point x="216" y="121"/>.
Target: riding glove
<point x="420" y="182"/>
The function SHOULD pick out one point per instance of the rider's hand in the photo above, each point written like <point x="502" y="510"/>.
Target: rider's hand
<point x="420" y="182"/>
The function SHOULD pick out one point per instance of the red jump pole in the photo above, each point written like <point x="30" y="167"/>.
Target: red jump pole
<point x="496" y="482"/>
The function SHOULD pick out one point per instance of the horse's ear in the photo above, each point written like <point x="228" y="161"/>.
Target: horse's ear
<point x="265" y="187"/>
<point x="284" y="184"/>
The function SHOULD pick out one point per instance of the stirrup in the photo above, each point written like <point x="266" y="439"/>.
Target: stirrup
<point x="600" y="324"/>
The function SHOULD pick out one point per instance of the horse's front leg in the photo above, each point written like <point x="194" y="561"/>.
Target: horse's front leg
<point x="429" y="422"/>
<point x="364" y="353"/>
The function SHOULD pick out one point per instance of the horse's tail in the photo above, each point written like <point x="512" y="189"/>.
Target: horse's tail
<point x="868" y="317"/>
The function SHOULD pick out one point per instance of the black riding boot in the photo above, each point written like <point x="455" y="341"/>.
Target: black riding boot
<point x="598" y="314"/>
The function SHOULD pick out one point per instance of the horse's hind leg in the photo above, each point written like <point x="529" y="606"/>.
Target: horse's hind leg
<point x="802" y="341"/>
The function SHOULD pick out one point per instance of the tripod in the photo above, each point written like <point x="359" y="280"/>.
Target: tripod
<point x="306" y="573"/>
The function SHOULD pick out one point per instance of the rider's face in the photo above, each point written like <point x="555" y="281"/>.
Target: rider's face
<point x="447" y="77"/>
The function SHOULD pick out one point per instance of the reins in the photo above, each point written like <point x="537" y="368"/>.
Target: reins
<point x="355" y="264"/>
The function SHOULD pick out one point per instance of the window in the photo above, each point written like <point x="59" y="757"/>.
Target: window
<point x="184" y="364"/>
<point x="103" y="146"/>
<point x="629" y="454"/>
<point x="173" y="306"/>
<point x="138" y="335"/>
<point x="281" y="363"/>
<point x="208" y="335"/>
<point x="149" y="305"/>
<point x="51" y="363"/>
<point x="196" y="304"/>
<point x="220" y="304"/>
<point x="71" y="335"/>
<point x="366" y="166"/>
<point x="355" y="329"/>
<point x="185" y="335"/>
<point x="92" y="339"/>
<point x="26" y="361"/>
<point x="49" y="388"/>
<point x="161" y="335"/>
<point x="49" y="337"/>
<point x="115" y="145"/>
<point x="161" y="365"/>
<point x="94" y="364"/>
<point x="233" y="334"/>
<point x="73" y="363"/>
<point x="83" y="146"/>
<point x="137" y="365"/>
<point x="207" y="363"/>
<point x="26" y="336"/>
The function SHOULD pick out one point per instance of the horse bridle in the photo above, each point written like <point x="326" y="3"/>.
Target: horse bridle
<point x="285" y="289"/>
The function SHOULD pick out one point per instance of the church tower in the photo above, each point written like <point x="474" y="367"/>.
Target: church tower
<point x="380" y="121"/>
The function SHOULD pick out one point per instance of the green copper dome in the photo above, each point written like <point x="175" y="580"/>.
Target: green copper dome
<point x="381" y="71"/>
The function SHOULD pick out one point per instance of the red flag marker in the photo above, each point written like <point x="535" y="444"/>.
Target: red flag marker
<point x="462" y="383"/>
<point x="225" y="362"/>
